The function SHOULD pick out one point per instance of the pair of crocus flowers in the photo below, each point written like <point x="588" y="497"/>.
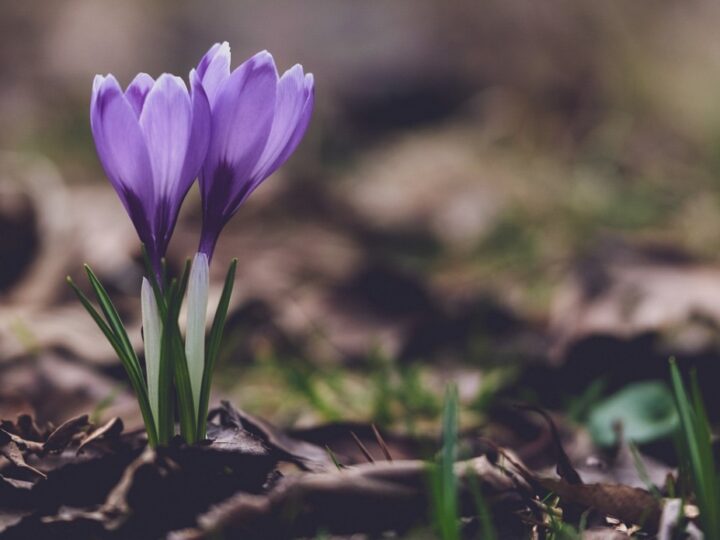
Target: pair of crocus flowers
<point x="230" y="130"/>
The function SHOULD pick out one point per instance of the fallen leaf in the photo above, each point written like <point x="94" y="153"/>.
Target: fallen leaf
<point x="368" y="498"/>
<point x="646" y="410"/>
<point x="305" y="455"/>
<point x="110" y="429"/>
<point x="62" y="436"/>
<point x="10" y="449"/>
<point x="628" y="504"/>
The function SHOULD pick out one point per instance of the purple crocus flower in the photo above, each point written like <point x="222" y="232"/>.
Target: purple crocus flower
<point x="258" y="119"/>
<point x="151" y="140"/>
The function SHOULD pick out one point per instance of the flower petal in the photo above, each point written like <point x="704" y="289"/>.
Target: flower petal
<point x="242" y="118"/>
<point x="293" y="109"/>
<point x="122" y="151"/>
<point x="200" y="134"/>
<point x="214" y="69"/>
<point x="138" y="90"/>
<point x="166" y="123"/>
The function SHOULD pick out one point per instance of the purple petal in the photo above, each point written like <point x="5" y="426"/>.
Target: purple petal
<point x="166" y="123"/>
<point x="121" y="148"/>
<point x="200" y="134"/>
<point x="241" y="122"/>
<point x="199" y="139"/>
<point x="138" y="90"/>
<point x="214" y="69"/>
<point x="293" y="109"/>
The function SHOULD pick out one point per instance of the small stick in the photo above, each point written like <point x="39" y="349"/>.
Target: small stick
<point x="381" y="443"/>
<point x="362" y="448"/>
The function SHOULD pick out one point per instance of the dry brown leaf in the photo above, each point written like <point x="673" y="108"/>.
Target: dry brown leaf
<point x="306" y="455"/>
<point x="65" y="433"/>
<point x="627" y="292"/>
<point x="368" y="498"/>
<point x="628" y="504"/>
<point x="11" y="451"/>
<point x="109" y="430"/>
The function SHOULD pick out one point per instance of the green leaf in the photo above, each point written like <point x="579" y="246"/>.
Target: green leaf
<point x="444" y="482"/>
<point x="213" y="348"/>
<point x="165" y="377"/>
<point x="183" y="281"/>
<point x="129" y="362"/>
<point x="697" y="448"/>
<point x="646" y="410"/>
<point x="114" y="321"/>
<point x="174" y="347"/>
<point x="487" y="528"/>
<point x="85" y="301"/>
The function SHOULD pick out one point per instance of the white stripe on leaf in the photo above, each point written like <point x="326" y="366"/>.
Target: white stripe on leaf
<point x="152" y="337"/>
<point x="197" y="299"/>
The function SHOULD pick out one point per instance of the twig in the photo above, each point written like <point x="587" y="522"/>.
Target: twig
<point x="381" y="443"/>
<point x="362" y="447"/>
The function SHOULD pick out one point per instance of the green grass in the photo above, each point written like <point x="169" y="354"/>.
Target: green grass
<point x="445" y="504"/>
<point x="444" y="483"/>
<point x="695" y="449"/>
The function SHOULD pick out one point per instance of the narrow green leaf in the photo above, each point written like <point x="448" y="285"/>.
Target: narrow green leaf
<point x="165" y="379"/>
<point x="183" y="281"/>
<point x="85" y="301"/>
<point x="443" y="481"/>
<point x="712" y="486"/>
<point x="698" y="448"/>
<point x="164" y="273"/>
<point x="176" y="349"/>
<point x="114" y="321"/>
<point x="213" y="348"/>
<point x="483" y="512"/>
<point x="449" y="510"/>
<point x="136" y="382"/>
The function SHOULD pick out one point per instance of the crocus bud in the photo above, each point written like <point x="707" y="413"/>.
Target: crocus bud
<point x="258" y="119"/>
<point x="151" y="141"/>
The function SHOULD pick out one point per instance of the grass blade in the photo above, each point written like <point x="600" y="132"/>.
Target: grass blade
<point x="697" y="447"/>
<point x="709" y="471"/>
<point x="444" y="482"/>
<point x="213" y="348"/>
<point x="487" y="528"/>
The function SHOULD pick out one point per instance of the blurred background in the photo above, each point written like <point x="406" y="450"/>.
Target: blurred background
<point x="521" y="197"/>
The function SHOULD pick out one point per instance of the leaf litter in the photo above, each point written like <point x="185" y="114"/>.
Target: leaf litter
<point x="250" y="479"/>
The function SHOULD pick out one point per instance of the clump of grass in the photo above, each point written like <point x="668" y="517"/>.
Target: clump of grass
<point x="444" y="487"/>
<point x="399" y="393"/>
<point x="445" y="502"/>
<point x="695" y="449"/>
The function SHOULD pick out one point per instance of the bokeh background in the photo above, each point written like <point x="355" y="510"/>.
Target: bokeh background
<point x="521" y="197"/>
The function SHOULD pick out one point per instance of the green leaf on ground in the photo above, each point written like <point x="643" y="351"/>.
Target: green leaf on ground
<point x="646" y="411"/>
